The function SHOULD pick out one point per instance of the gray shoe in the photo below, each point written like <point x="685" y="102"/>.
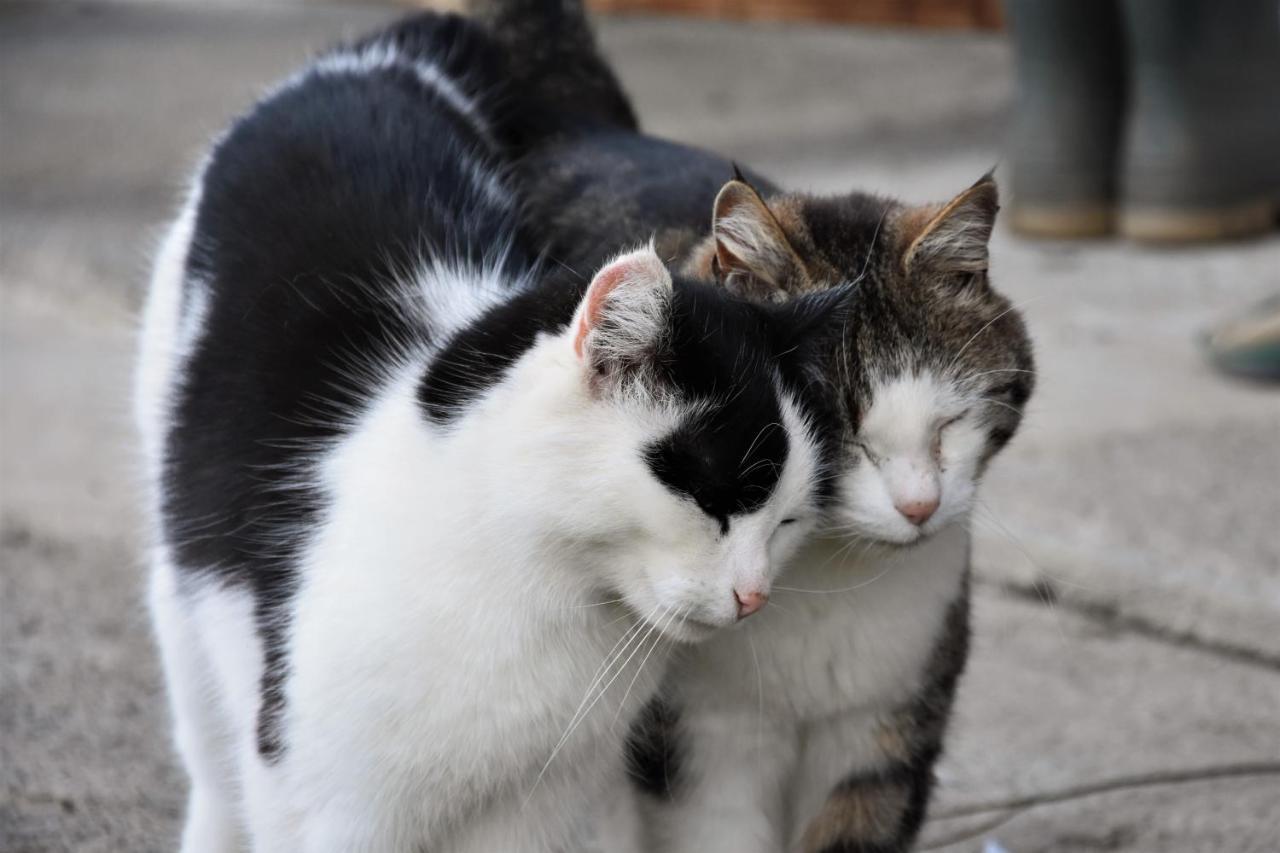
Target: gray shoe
<point x="1068" y="117"/>
<point x="1201" y="155"/>
<point x="1248" y="346"/>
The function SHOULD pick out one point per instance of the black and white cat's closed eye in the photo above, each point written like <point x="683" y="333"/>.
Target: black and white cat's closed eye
<point x="788" y="521"/>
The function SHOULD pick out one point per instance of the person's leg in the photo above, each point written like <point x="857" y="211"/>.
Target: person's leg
<point x="1200" y="159"/>
<point x="1068" y="116"/>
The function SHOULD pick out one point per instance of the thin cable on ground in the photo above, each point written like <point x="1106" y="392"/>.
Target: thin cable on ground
<point x="1013" y="806"/>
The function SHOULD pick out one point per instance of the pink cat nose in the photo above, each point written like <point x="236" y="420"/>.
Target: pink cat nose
<point x="749" y="602"/>
<point x="919" y="511"/>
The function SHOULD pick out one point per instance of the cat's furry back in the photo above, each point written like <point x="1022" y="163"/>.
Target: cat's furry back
<point x="552" y="52"/>
<point x="412" y="493"/>
<point x="587" y="168"/>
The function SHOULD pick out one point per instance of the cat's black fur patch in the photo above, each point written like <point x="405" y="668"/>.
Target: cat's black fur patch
<point x="727" y="458"/>
<point x="654" y="754"/>
<point x="477" y="357"/>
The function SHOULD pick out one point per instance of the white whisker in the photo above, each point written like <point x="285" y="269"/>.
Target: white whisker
<point x="657" y="641"/>
<point x="759" y="704"/>
<point x="859" y="585"/>
<point x="634" y="645"/>
<point x="598" y="603"/>
<point x="988" y="325"/>
<point x="611" y="657"/>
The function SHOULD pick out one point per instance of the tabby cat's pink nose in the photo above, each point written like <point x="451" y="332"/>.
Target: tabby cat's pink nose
<point x="918" y="512"/>
<point x="749" y="602"/>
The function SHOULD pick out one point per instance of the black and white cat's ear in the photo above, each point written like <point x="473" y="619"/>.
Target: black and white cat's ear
<point x="954" y="240"/>
<point x="811" y="319"/>
<point x="753" y="257"/>
<point x="622" y="321"/>
<point x="808" y="329"/>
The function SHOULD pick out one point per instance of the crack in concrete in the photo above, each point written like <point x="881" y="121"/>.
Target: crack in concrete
<point x="1111" y="616"/>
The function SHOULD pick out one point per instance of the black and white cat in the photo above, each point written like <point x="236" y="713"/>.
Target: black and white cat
<point x="815" y="726"/>
<point x="424" y="509"/>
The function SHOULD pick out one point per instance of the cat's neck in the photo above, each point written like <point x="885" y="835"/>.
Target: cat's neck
<point x="844" y="563"/>
<point x="508" y="484"/>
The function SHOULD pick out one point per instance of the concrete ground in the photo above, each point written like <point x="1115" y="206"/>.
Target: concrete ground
<point x="1129" y="598"/>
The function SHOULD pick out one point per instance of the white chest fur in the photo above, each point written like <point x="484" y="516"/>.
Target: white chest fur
<point x="858" y="636"/>
<point x="435" y="666"/>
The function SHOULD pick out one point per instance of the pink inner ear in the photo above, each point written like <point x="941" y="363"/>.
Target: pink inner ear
<point x="601" y="286"/>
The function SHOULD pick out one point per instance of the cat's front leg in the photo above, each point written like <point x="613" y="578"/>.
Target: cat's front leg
<point x="200" y="725"/>
<point x="877" y="804"/>
<point x="728" y="794"/>
<point x="288" y="809"/>
<point x="865" y="777"/>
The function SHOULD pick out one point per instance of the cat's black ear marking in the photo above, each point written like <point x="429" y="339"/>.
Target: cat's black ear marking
<point x="752" y="252"/>
<point x="737" y="174"/>
<point x="813" y="317"/>
<point x="954" y="240"/>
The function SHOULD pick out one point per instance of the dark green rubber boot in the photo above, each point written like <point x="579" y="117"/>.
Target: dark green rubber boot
<point x="1202" y="150"/>
<point x="1068" y="116"/>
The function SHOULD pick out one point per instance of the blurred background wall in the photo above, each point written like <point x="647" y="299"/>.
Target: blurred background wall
<point x="983" y="14"/>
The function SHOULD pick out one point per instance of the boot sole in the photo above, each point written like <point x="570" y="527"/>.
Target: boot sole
<point x="1182" y="225"/>
<point x="1063" y="223"/>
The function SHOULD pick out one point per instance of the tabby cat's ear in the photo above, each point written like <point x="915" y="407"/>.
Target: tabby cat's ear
<point x="622" y="321"/>
<point x="754" y="259"/>
<point x="954" y="239"/>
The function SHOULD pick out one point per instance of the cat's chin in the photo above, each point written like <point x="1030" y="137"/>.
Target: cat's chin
<point x="909" y="541"/>
<point x="877" y="541"/>
<point x="689" y="630"/>
<point x="899" y="542"/>
<point x="686" y="629"/>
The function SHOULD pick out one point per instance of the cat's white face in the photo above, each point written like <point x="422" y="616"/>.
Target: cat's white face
<point x="702" y="471"/>
<point x="915" y="462"/>
<point x="688" y="569"/>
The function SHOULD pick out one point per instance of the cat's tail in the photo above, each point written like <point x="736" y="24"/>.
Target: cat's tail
<point x="555" y="62"/>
